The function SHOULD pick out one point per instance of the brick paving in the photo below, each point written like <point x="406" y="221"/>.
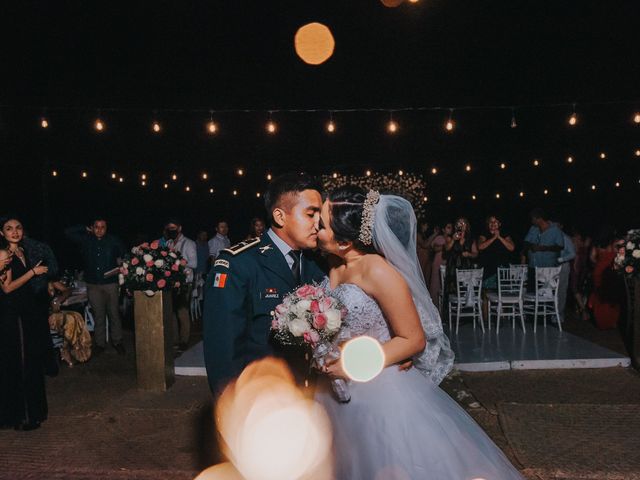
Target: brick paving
<point x="553" y="424"/>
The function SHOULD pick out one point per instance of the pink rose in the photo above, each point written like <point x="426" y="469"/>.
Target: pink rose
<point x="167" y="273"/>
<point x="175" y="267"/>
<point x="161" y="283"/>
<point x="135" y="261"/>
<point x="319" y="321"/>
<point x="176" y="285"/>
<point x="183" y="262"/>
<point x="144" y="245"/>
<point x="124" y="271"/>
<point x="154" y="245"/>
<point x="149" y="277"/>
<point x="315" y="306"/>
<point x="628" y="269"/>
<point x="311" y="336"/>
<point x="149" y="263"/>
<point x="274" y="324"/>
<point x="306" y="291"/>
<point x="163" y="253"/>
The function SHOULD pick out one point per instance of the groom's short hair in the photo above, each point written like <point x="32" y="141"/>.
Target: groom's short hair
<point x="284" y="185"/>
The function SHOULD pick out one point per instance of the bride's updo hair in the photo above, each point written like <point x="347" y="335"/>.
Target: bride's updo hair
<point x="346" y="206"/>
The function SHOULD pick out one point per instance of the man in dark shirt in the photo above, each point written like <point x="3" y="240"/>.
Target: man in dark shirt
<point x="101" y="252"/>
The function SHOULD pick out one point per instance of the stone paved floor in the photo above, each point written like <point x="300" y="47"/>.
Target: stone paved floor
<point x="101" y="426"/>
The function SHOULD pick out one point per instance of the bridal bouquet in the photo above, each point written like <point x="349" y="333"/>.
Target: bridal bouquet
<point x="151" y="267"/>
<point x="310" y="316"/>
<point x="628" y="258"/>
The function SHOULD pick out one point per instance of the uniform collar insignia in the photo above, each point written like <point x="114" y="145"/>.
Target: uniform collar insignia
<point x="265" y="248"/>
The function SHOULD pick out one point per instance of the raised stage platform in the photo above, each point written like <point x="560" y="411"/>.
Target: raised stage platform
<point x="477" y="352"/>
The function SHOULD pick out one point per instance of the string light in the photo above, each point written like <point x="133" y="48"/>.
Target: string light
<point x="99" y="125"/>
<point x="240" y="172"/>
<point x="54" y="173"/>
<point x="165" y="186"/>
<point x="211" y="190"/>
<point x="212" y="128"/>
<point x="467" y="168"/>
<point x="257" y="194"/>
<point x="637" y="153"/>
<point x="450" y="124"/>
<point x="573" y="119"/>
<point x="156" y="127"/>
<point x="636" y="117"/>
<point x="536" y="163"/>
<point x="593" y="187"/>
<point x="546" y="192"/>
<point x="392" y="126"/>
<point x="269" y="177"/>
<point x="617" y="184"/>
<point x="497" y="195"/>
<point x="448" y="198"/>
<point x="603" y="155"/>
<point x="121" y="179"/>
<point x="425" y="199"/>
<point x="401" y="172"/>
<point x="473" y="197"/>
<point x="174" y="177"/>
<point x="44" y="123"/>
<point x="335" y="175"/>
<point x="113" y="175"/>
<point x="143" y="176"/>
<point x="143" y="183"/>
<point x="569" y="159"/>
<point x="368" y="173"/>
<point x="204" y="175"/>
<point x="187" y="188"/>
<point x="84" y="174"/>
<point x="235" y="193"/>
<point x="514" y="124"/>
<point x="521" y="194"/>
<point x="434" y="171"/>
<point x="331" y="127"/>
<point x="271" y="125"/>
<point x="503" y="166"/>
<point x="569" y="190"/>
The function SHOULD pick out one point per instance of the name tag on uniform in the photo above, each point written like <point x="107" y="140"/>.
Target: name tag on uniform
<point x="221" y="263"/>
<point x="271" y="293"/>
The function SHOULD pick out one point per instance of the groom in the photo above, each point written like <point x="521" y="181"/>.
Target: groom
<point x="251" y="278"/>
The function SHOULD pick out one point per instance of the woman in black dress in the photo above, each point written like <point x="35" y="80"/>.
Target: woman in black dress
<point x="496" y="250"/>
<point x="460" y="252"/>
<point x="24" y="337"/>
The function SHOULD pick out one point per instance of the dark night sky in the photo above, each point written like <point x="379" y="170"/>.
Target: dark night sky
<point x="131" y="59"/>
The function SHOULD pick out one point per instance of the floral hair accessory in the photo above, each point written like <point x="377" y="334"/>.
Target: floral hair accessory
<point x="368" y="217"/>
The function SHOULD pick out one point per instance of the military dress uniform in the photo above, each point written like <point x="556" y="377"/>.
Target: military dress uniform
<point x="246" y="284"/>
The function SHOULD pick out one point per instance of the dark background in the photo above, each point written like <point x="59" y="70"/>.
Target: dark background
<point x="173" y="61"/>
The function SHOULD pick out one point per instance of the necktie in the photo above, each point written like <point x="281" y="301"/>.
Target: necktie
<point x="295" y="268"/>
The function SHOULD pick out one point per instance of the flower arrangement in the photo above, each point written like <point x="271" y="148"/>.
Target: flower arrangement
<point x="310" y="316"/>
<point x="408" y="185"/>
<point x="151" y="267"/>
<point x="307" y="315"/>
<point x="628" y="258"/>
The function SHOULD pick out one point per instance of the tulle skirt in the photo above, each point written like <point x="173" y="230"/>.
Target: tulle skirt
<point x="400" y="426"/>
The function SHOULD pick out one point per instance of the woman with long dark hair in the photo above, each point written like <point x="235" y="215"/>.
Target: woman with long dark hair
<point x="24" y="336"/>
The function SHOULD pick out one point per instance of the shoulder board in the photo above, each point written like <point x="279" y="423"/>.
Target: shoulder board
<point x="242" y="246"/>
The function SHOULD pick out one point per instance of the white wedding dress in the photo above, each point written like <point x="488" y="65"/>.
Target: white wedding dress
<point x="401" y="425"/>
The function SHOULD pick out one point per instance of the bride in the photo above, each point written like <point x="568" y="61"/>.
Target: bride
<point x="400" y="425"/>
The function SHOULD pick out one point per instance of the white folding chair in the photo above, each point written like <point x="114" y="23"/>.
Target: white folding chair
<point x="517" y="267"/>
<point x="508" y="301"/>
<point x="467" y="302"/>
<point x="443" y="272"/>
<point x="545" y="299"/>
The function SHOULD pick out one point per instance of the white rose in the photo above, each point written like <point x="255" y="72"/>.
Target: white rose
<point x="139" y="271"/>
<point x="171" y="254"/>
<point x="636" y="253"/>
<point x="333" y="319"/>
<point x="125" y="265"/>
<point x="302" y="307"/>
<point x="147" y="257"/>
<point x="121" y="279"/>
<point x="298" y="327"/>
<point x="631" y="245"/>
<point x="159" y="263"/>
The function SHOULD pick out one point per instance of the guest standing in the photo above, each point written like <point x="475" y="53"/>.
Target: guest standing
<point x="257" y="228"/>
<point x="24" y="336"/>
<point x="460" y="252"/>
<point x="101" y="252"/>
<point x="437" y="247"/>
<point x="173" y="238"/>
<point x="608" y="291"/>
<point x="220" y="241"/>
<point x="567" y="255"/>
<point x="423" y="246"/>
<point x="496" y="250"/>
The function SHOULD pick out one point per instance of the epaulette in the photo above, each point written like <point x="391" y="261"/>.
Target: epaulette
<point x="242" y="246"/>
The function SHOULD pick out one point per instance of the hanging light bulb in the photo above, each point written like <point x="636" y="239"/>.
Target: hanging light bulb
<point x="165" y="186"/>
<point x="521" y="194"/>
<point x="121" y="179"/>
<point x="637" y="153"/>
<point x="467" y="167"/>
<point x="434" y="171"/>
<point x="235" y="193"/>
<point x="204" y="175"/>
<point x="514" y="124"/>
<point x="240" y="172"/>
<point x="84" y="174"/>
<point x="603" y="155"/>
<point x="257" y="194"/>
<point x="368" y="173"/>
<point x="143" y="176"/>
<point x="573" y="118"/>
<point x="569" y="159"/>
<point x="536" y="163"/>
<point x="497" y="195"/>
<point x="155" y="126"/>
<point x="44" y="123"/>
<point x="593" y="187"/>
<point x="271" y="125"/>
<point x="113" y="175"/>
<point x="335" y="175"/>
<point x="187" y="188"/>
<point x="331" y="126"/>
<point x="143" y="183"/>
<point x="269" y="177"/>
<point x="448" y="198"/>
<point x="503" y="166"/>
<point x="617" y="184"/>
<point x="212" y="128"/>
<point x="54" y="173"/>
<point x="473" y="197"/>
<point x="450" y="124"/>
<point x="392" y="126"/>
<point x="400" y="172"/>
<point x="636" y="117"/>
<point x="98" y="125"/>
<point x="425" y="199"/>
<point x="211" y="190"/>
<point x="546" y="192"/>
<point x="174" y="177"/>
<point x="569" y="189"/>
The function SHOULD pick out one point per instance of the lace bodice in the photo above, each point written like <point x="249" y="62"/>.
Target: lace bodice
<point x="364" y="316"/>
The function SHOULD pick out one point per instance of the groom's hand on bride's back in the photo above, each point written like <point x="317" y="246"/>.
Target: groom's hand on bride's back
<point x="406" y="365"/>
